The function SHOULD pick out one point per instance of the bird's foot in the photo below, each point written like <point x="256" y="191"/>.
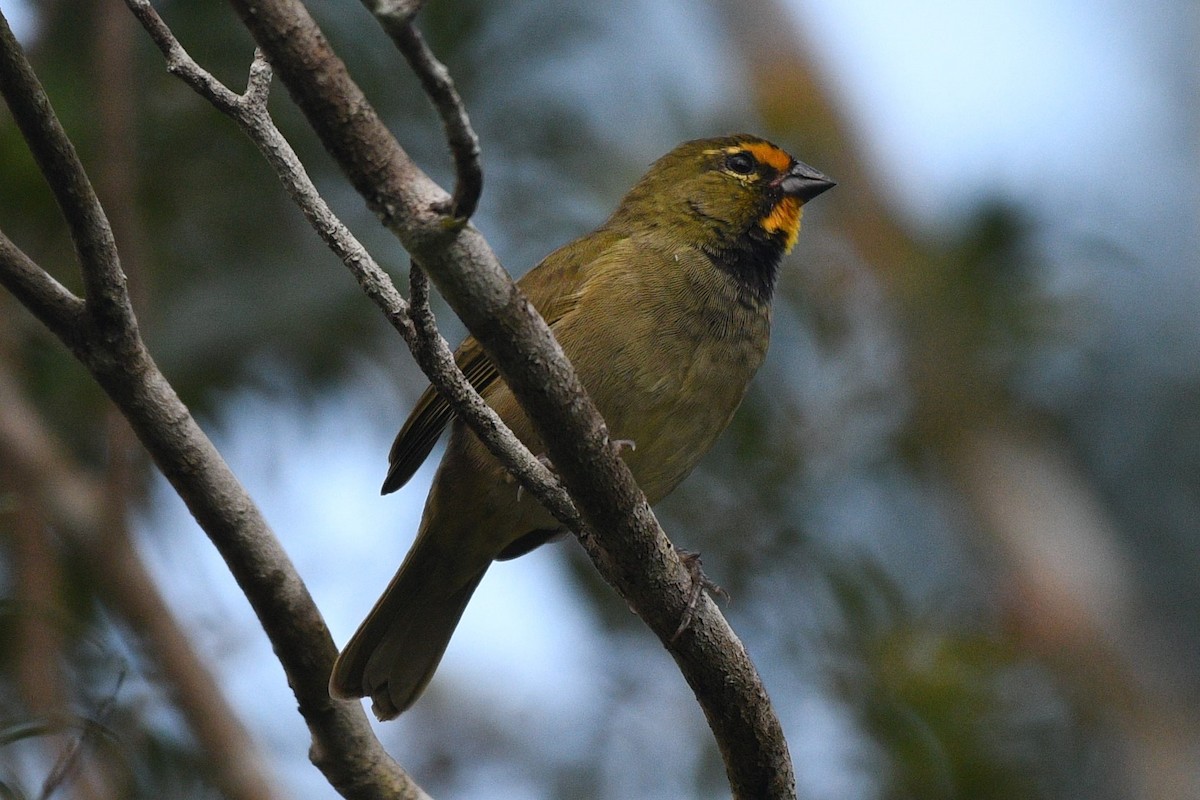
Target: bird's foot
<point x="545" y="461"/>
<point x="700" y="583"/>
<point x="618" y="445"/>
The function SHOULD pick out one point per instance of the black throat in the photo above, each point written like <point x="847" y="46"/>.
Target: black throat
<point x="752" y="259"/>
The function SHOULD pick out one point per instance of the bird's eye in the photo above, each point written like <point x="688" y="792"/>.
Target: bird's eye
<point x="741" y="163"/>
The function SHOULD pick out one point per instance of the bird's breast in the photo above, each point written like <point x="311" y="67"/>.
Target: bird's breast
<point x="678" y="364"/>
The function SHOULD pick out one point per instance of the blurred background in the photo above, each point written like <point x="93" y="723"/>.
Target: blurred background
<point x="957" y="513"/>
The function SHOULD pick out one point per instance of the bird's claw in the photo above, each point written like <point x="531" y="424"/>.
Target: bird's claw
<point x="618" y="445"/>
<point x="700" y="583"/>
<point x="545" y="461"/>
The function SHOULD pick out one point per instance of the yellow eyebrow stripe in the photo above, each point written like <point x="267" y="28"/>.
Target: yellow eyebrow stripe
<point x="769" y="154"/>
<point x="764" y="152"/>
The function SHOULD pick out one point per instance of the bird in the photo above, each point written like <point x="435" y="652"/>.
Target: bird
<point x="664" y="311"/>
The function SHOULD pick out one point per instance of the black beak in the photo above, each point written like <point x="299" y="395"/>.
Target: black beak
<point x="804" y="182"/>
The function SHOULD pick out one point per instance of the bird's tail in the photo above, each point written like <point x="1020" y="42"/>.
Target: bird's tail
<point x="395" y="651"/>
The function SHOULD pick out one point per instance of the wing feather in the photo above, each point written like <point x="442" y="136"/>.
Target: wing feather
<point x="548" y="287"/>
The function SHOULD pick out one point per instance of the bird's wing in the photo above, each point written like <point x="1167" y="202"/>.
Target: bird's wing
<point x="552" y="286"/>
<point x="430" y="415"/>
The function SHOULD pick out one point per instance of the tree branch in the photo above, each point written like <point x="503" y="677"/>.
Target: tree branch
<point x="430" y="350"/>
<point x="344" y="746"/>
<point x="635" y="555"/>
<point x="108" y="302"/>
<point x="397" y="21"/>
<point x="52" y="303"/>
<point x="435" y="358"/>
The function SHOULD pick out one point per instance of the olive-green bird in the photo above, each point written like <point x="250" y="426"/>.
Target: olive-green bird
<point x="665" y="312"/>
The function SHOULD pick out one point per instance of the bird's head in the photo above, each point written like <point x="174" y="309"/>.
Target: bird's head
<point x="737" y="198"/>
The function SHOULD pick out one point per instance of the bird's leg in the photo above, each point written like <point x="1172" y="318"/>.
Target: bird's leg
<point x="700" y="583"/>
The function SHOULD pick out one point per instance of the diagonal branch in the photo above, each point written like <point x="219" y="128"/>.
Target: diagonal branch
<point x="433" y="355"/>
<point x="344" y="746"/>
<point x="632" y="554"/>
<point x="431" y="351"/>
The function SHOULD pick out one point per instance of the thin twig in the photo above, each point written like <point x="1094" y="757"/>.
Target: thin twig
<point x="431" y="351"/>
<point x="396" y="18"/>
<point x="70" y="760"/>
<point x="439" y="88"/>
<point x="434" y="357"/>
<point x="344" y="746"/>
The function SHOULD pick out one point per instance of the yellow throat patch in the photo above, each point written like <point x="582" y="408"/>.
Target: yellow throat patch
<point x="785" y="216"/>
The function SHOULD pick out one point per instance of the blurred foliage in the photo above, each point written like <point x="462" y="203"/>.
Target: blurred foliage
<point x="961" y="712"/>
<point x="107" y="739"/>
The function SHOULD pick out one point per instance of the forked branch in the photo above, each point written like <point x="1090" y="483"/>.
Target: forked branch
<point x="433" y="354"/>
<point x="102" y="333"/>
